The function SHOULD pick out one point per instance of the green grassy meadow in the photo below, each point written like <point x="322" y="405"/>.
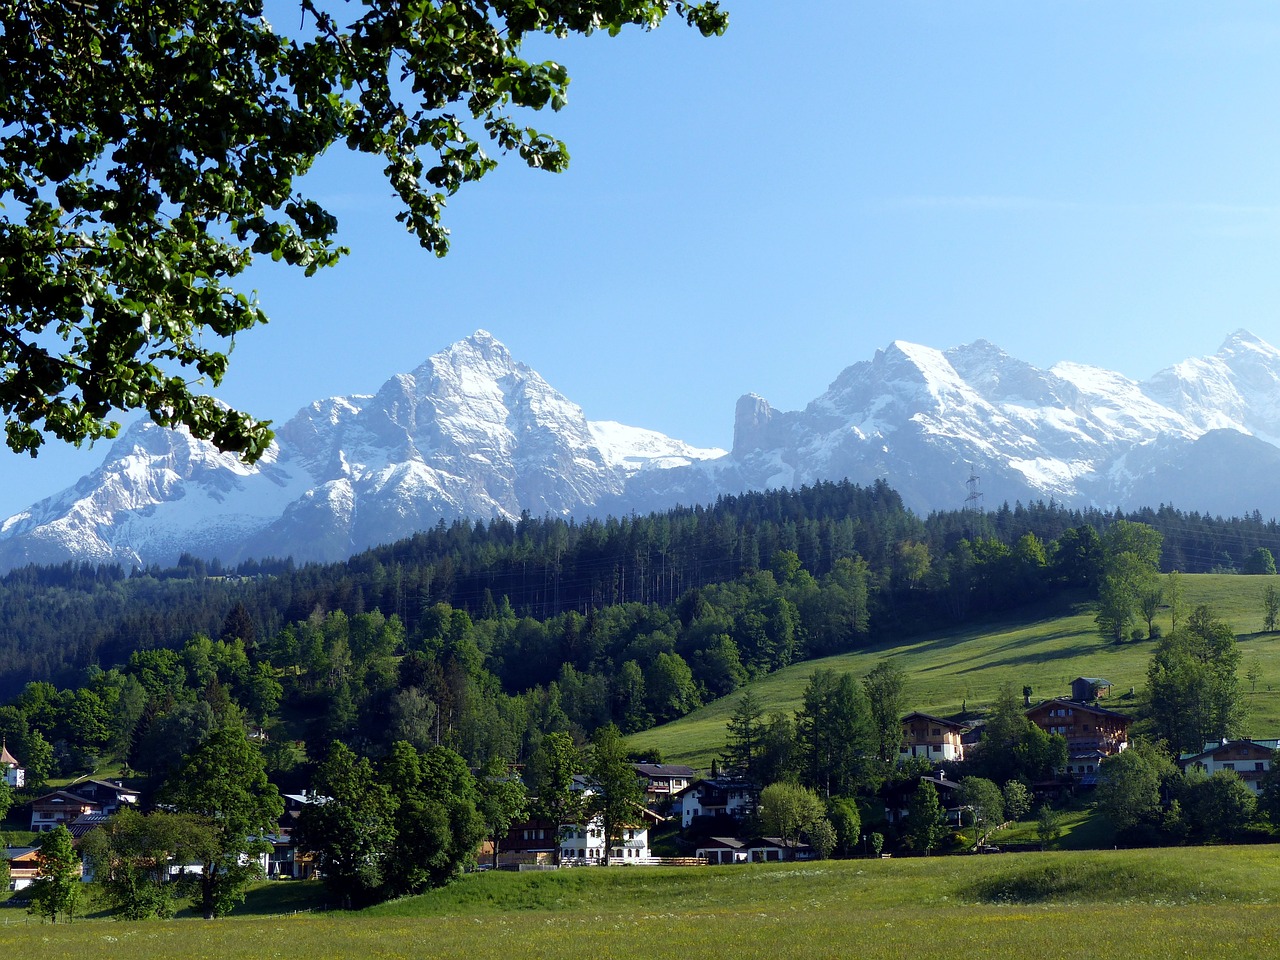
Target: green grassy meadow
<point x="1044" y="647"/>
<point x="1188" y="902"/>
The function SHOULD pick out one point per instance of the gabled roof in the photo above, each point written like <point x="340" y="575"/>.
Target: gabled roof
<point x="1213" y="746"/>
<point x="723" y="843"/>
<point x="665" y="770"/>
<point x="1077" y="705"/>
<point x="62" y="796"/>
<point x="932" y="719"/>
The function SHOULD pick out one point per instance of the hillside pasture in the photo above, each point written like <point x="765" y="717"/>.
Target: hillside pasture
<point x="1045" y="647"/>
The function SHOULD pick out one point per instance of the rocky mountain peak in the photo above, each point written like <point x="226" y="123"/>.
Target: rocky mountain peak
<point x="474" y="432"/>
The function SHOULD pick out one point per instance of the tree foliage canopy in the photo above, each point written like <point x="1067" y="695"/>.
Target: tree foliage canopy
<point x="152" y="148"/>
<point x="224" y="782"/>
<point x="56" y="889"/>
<point x="1193" y="684"/>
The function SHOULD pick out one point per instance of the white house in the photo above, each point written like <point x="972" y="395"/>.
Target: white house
<point x="717" y="798"/>
<point x="936" y="739"/>
<point x="13" y="773"/>
<point x="1250" y="759"/>
<point x="584" y="843"/>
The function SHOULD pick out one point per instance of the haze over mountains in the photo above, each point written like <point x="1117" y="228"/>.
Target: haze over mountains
<point x="473" y="432"/>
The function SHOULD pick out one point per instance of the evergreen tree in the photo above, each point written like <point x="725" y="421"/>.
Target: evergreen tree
<point x="926" y="819"/>
<point x="746" y="728"/>
<point x="886" y="686"/>
<point x="833" y="733"/>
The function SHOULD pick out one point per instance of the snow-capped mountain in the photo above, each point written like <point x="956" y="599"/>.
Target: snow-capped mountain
<point x="473" y="432"/>
<point x="1201" y="435"/>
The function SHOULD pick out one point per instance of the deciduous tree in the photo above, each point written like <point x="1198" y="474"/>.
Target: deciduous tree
<point x="351" y="827"/>
<point x="551" y="772"/>
<point x="1270" y="608"/>
<point x="1130" y="785"/>
<point x="984" y="807"/>
<point x="616" y="797"/>
<point x="504" y="799"/>
<point x="56" y="889"/>
<point x="786" y="810"/>
<point x="131" y="855"/>
<point x="225" y="782"/>
<point x="1194" y="692"/>
<point x="152" y="150"/>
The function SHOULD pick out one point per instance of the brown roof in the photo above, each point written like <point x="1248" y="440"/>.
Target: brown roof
<point x="8" y="758"/>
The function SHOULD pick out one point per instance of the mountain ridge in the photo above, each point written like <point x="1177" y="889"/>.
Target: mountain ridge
<point x="472" y="431"/>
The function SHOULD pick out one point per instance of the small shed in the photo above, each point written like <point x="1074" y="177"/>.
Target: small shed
<point x="1088" y="689"/>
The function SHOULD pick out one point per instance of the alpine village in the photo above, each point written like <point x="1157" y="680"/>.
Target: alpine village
<point x="782" y="676"/>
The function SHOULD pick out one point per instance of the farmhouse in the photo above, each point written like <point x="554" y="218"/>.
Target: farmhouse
<point x="932" y="738"/>
<point x="1092" y="733"/>
<point x="1249" y="759"/>
<point x="719" y="797"/>
<point x="58" y="807"/>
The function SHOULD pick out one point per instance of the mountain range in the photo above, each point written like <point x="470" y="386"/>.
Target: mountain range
<point x="473" y="432"/>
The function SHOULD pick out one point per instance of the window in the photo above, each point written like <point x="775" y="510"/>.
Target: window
<point x="1258" y="766"/>
<point x="937" y="748"/>
<point x="1228" y="766"/>
<point x="937" y="731"/>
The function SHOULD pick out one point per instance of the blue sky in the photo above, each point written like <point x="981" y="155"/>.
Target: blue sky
<point x="1085" y="180"/>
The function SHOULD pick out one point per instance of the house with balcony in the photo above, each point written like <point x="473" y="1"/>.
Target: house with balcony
<point x="1092" y="733"/>
<point x="933" y="738"/>
<point x="722" y="797"/>
<point x="1248" y="759"/>
<point x="57" y="807"/>
<point x="662" y="781"/>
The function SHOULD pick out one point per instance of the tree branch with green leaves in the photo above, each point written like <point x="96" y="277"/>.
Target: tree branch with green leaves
<point x="152" y="149"/>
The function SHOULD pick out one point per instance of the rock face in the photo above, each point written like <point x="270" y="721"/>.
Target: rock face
<point x="1201" y="435"/>
<point x="473" y="432"/>
<point x="470" y="432"/>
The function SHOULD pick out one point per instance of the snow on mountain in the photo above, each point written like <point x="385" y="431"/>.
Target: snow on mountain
<point x="470" y="432"/>
<point x="925" y="419"/>
<point x="474" y="432"/>
<point x="634" y="448"/>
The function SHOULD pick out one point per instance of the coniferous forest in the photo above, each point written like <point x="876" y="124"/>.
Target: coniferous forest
<point x="484" y="636"/>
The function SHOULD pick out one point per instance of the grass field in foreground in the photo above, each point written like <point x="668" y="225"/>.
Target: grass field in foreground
<point x="1043" y="647"/>
<point x="1198" y="902"/>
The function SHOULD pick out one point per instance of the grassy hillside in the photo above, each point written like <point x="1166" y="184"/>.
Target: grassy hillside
<point x="1126" y="905"/>
<point x="1046" y="648"/>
